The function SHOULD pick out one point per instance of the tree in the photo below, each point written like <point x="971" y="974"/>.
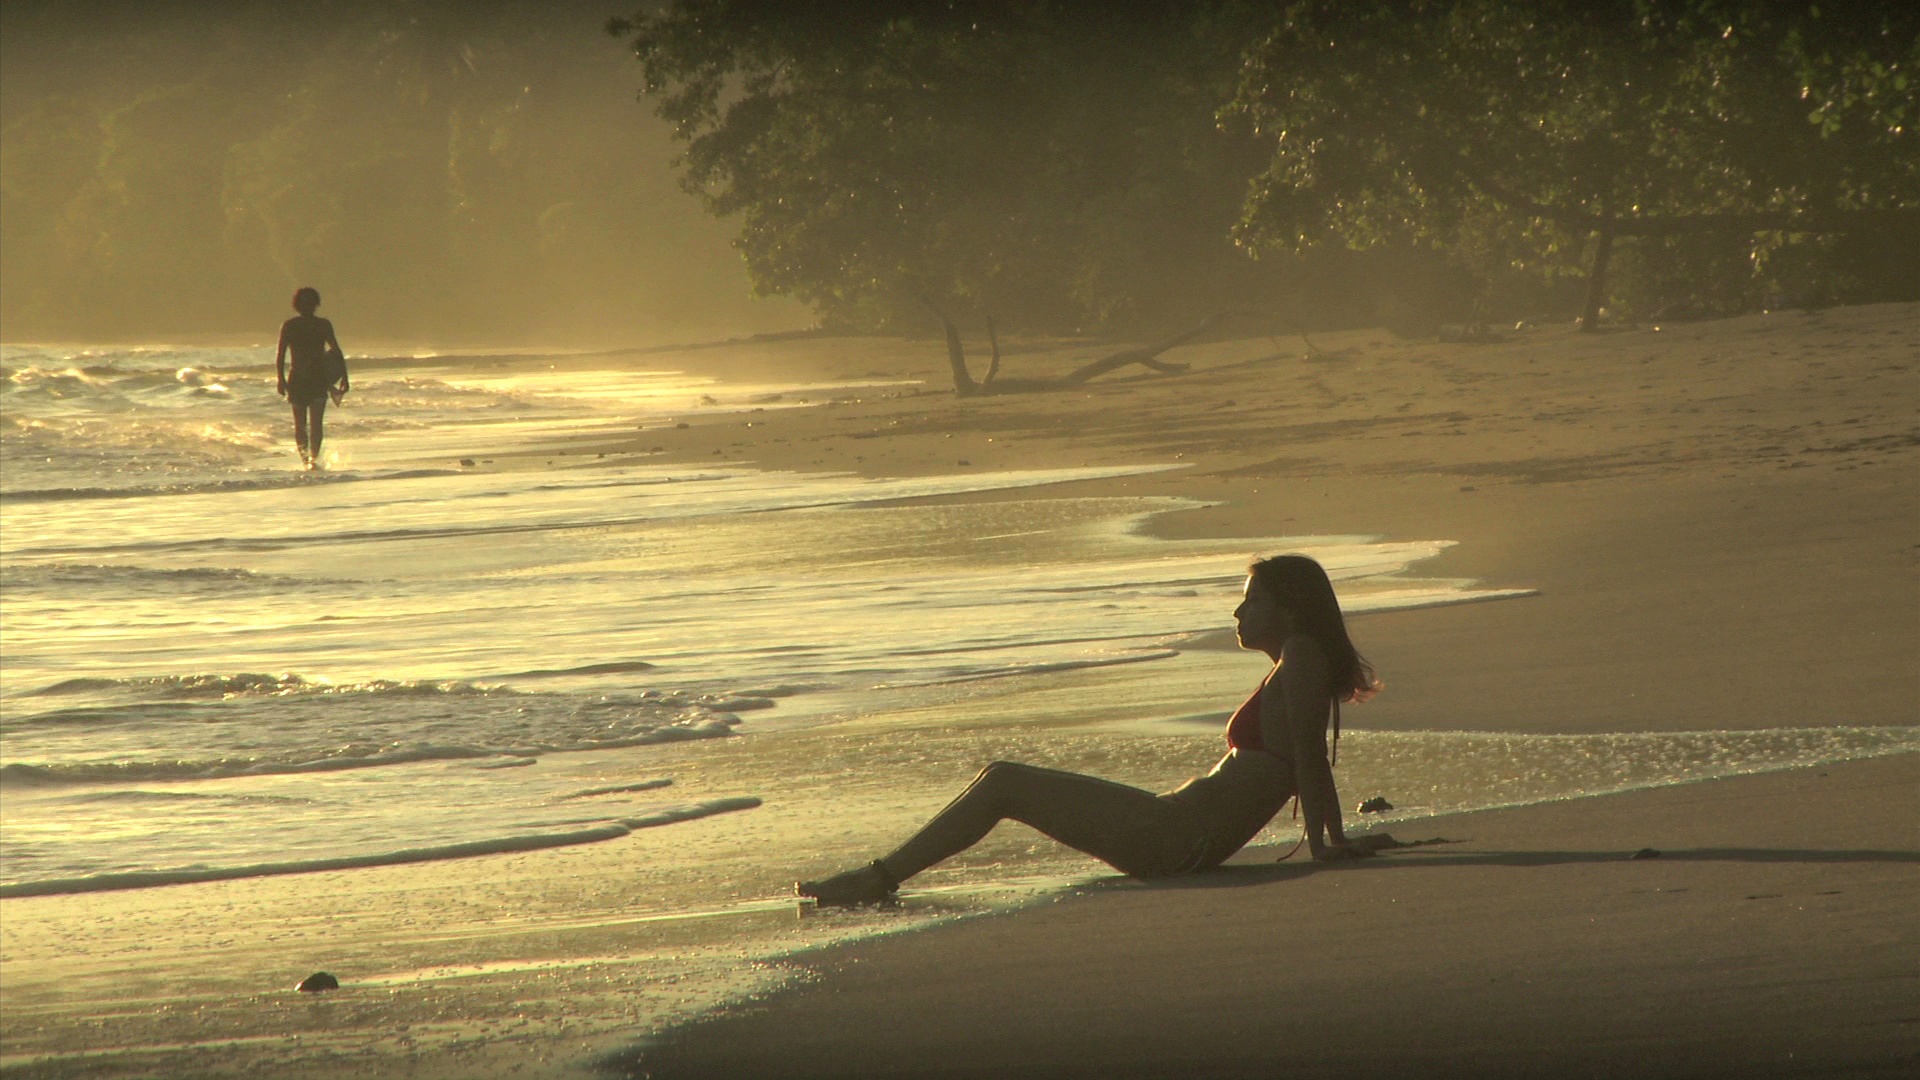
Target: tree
<point x="1147" y="356"/>
<point x="1537" y="135"/>
<point x="1055" y="165"/>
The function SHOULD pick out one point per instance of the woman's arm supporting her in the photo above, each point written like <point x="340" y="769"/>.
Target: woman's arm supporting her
<point x="1294" y="710"/>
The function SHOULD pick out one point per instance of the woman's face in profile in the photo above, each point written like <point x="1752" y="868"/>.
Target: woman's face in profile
<point x="1261" y="621"/>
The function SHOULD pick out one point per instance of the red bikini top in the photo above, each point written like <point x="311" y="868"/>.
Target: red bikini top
<point x="1243" y="731"/>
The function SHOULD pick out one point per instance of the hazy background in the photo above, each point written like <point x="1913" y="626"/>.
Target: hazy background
<point x="482" y="173"/>
<point x="472" y="173"/>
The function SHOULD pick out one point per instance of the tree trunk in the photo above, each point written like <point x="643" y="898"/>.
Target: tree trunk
<point x="1597" y="277"/>
<point x="963" y="383"/>
<point x="1146" y="356"/>
<point x="993" y="366"/>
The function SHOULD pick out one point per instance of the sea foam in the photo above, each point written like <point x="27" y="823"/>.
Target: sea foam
<point x="141" y="879"/>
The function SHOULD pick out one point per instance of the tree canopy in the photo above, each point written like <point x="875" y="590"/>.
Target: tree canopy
<point x="1050" y="162"/>
<point x="1531" y="134"/>
<point x="1079" y="167"/>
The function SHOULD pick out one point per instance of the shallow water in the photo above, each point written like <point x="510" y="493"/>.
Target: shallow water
<point x="216" y="664"/>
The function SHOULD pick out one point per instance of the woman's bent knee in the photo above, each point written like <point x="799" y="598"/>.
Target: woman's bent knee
<point x="1005" y="778"/>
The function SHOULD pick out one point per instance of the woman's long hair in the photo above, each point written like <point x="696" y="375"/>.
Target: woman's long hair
<point x="1301" y="584"/>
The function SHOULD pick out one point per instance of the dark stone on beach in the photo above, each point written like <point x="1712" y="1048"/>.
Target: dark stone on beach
<point x="317" y="982"/>
<point x="1645" y="853"/>
<point x="1375" y="805"/>
<point x="466" y="462"/>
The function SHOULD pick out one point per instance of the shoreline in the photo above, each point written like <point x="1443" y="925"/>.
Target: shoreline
<point x="1619" y="475"/>
<point x="1748" y="946"/>
<point x="1755" y="475"/>
<point x="1679" y="488"/>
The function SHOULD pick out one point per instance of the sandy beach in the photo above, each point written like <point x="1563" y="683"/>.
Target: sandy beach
<point x="1719" y="518"/>
<point x="1772" y="936"/>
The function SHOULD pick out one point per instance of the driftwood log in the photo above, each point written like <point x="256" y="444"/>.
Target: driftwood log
<point x="1146" y="356"/>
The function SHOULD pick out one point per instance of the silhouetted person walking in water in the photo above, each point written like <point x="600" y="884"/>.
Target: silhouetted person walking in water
<point x="1277" y="748"/>
<point x="319" y="369"/>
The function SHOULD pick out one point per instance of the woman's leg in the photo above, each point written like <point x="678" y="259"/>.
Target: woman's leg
<point x="300" y="430"/>
<point x="316" y="427"/>
<point x="1131" y="830"/>
<point x="1134" y="831"/>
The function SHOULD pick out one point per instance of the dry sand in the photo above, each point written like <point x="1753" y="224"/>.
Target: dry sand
<point x="1721" y="520"/>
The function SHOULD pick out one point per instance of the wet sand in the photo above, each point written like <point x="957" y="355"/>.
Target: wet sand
<point x="1773" y="936"/>
<point x="1721" y="521"/>
<point x="1697" y="505"/>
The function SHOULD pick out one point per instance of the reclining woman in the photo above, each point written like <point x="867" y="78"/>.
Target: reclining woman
<point x="1276" y="748"/>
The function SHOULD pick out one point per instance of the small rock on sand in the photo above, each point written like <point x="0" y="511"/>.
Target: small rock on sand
<point x="317" y="982"/>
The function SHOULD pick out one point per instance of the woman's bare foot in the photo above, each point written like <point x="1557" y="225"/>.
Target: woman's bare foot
<point x="1340" y="853"/>
<point x="870" y="884"/>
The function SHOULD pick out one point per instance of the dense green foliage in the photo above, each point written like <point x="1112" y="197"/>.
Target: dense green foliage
<point x="1047" y="163"/>
<point x="1511" y="133"/>
<point x="1080" y="167"/>
<point x="478" y="171"/>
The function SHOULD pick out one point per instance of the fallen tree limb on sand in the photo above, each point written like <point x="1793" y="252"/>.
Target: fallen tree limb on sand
<point x="1146" y="356"/>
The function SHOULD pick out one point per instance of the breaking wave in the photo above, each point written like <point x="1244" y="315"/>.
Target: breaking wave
<point x="607" y="830"/>
<point x="209" y="726"/>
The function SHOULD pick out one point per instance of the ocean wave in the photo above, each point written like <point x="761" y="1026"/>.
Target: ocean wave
<point x="77" y="397"/>
<point x="608" y="830"/>
<point x="225" y="685"/>
<point x="203" y="727"/>
<point x="148" y="436"/>
<point x="189" y="687"/>
<point x="136" y="796"/>
<point x="60" y="774"/>
<point x="134" y="359"/>
<point x="27" y="774"/>
<point x="617" y="789"/>
<point x="613" y="667"/>
<point x="67" y="576"/>
<point x="57" y="381"/>
<point x="214" y="487"/>
<point x="1012" y="670"/>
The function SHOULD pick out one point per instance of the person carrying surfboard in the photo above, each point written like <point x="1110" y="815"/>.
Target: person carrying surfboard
<point x="319" y="371"/>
